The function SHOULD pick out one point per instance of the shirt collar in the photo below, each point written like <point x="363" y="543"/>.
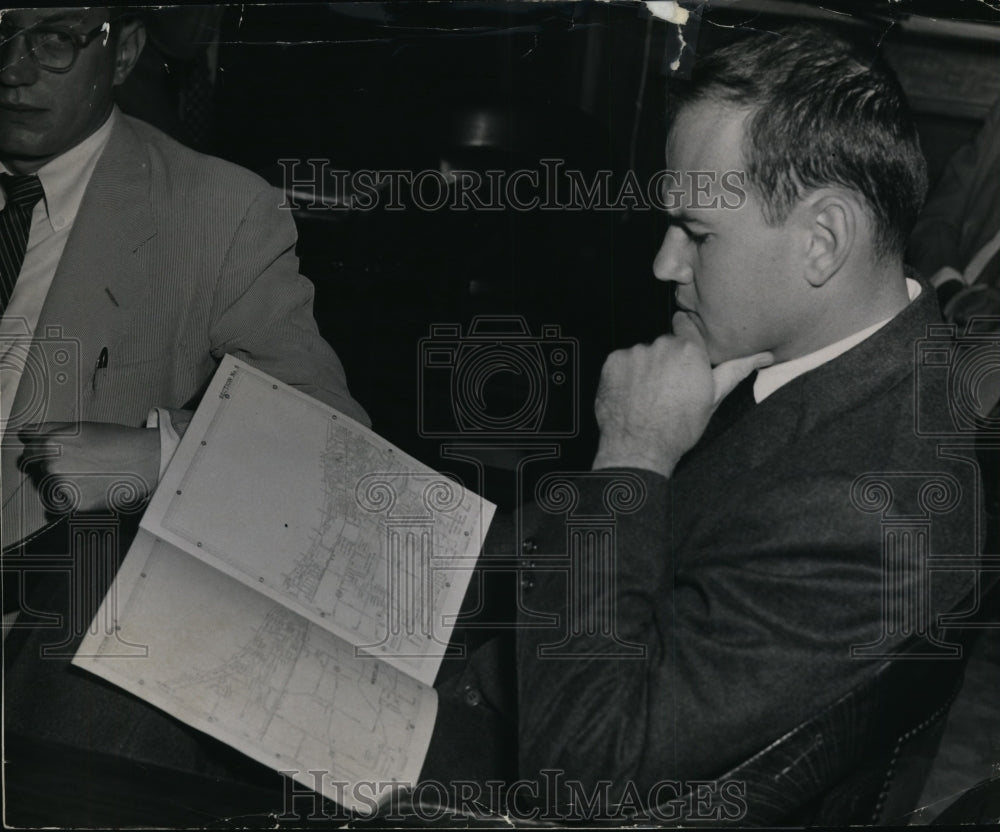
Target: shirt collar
<point x="65" y="178"/>
<point x="776" y="376"/>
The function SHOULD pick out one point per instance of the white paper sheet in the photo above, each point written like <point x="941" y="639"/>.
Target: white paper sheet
<point x="231" y="662"/>
<point x="292" y="588"/>
<point x="319" y="513"/>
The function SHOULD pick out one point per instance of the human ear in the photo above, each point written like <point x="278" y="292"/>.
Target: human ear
<point x="131" y="40"/>
<point x="832" y="218"/>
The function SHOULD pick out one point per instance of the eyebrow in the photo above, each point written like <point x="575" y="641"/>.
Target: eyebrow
<point x="62" y="18"/>
<point x="679" y="216"/>
<point x="55" y="19"/>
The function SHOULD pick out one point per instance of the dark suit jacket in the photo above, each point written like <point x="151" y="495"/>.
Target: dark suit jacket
<point x="735" y="589"/>
<point x="960" y="215"/>
<point x="175" y="259"/>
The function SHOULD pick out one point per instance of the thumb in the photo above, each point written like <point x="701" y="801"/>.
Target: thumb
<point x="730" y="373"/>
<point x="684" y="327"/>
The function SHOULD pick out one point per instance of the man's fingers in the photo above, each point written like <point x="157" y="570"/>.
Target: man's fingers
<point x="730" y="373"/>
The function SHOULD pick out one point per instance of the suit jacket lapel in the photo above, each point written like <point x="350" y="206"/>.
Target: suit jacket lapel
<point x="98" y="283"/>
<point x="887" y="358"/>
<point x="848" y="381"/>
<point x="95" y="290"/>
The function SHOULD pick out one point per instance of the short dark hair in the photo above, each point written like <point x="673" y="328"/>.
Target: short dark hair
<point x="825" y="111"/>
<point x="121" y="15"/>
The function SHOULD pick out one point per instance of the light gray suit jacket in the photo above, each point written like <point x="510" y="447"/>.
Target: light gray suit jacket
<point x="175" y="259"/>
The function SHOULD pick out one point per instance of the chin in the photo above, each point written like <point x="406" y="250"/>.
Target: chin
<point x="14" y="144"/>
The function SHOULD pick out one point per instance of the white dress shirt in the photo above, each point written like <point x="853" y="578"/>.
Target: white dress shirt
<point x="778" y="375"/>
<point x="64" y="181"/>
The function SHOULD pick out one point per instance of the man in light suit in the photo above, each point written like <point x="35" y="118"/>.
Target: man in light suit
<point x="141" y="264"/>
<point x="144" y="264"/>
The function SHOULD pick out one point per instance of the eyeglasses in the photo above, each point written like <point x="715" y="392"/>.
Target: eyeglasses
<point x="51" y="47"/>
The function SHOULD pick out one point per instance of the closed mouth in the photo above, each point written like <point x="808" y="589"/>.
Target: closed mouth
<point x="19" y="108"/>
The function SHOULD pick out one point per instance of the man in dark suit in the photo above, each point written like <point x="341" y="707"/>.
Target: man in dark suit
<point x="727" y="569"/>
<point x="142" y="263"/>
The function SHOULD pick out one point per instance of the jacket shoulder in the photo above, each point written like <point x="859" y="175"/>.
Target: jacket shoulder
<point x="194" y="174"/>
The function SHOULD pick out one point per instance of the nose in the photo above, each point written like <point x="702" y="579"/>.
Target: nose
<point x="17" y="67"/>
<point x="673" y="259"/>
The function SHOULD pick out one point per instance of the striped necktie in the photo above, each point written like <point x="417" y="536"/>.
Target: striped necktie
<point x="22" y="193"/>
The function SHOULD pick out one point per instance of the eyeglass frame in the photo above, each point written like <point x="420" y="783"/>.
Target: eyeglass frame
<point x="79" y="41"/>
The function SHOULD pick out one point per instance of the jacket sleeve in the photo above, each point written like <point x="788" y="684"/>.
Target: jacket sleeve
<point x="678" y="655"/>
<point x="262" y="309"/>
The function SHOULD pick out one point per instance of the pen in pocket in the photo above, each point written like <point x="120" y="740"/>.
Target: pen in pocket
<point x="102" y="363"/>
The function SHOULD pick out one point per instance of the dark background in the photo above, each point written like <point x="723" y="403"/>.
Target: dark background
<point x="475" y="85"/>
